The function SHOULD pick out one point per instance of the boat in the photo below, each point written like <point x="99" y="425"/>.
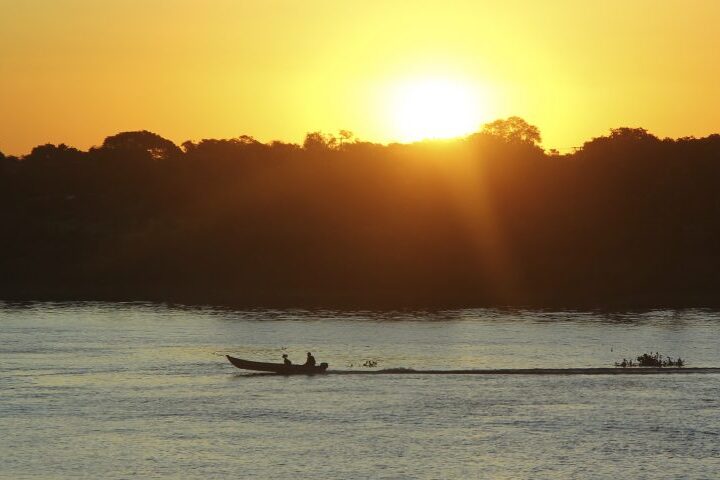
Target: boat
<point x="278" y="367"/>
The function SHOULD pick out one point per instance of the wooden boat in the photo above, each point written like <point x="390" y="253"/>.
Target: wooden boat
<point x="277" y="367"/>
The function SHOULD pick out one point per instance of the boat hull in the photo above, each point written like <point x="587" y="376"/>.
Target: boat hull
<point x="277" y="367"/>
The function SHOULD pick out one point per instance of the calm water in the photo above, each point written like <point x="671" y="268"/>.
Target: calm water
<point x="120" y="390"/>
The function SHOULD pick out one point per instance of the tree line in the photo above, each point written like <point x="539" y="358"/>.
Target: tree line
<point x="491" y="219"/>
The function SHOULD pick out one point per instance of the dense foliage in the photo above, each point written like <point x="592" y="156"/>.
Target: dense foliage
<point x="627" y="220"/>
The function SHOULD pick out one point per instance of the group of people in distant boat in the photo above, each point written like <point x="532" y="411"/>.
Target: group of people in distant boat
<point x="651" y="360"/>
<point x="309" y="362"/>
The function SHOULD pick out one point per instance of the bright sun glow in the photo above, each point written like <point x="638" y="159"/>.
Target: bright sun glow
<point x="434" y="108"/>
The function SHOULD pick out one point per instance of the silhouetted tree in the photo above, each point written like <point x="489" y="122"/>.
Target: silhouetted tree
<point x="52" y="153"/>
<point x="319" y="141"/>
<point x="222" y="149"/>
<point x="345" y="136"/>
<point x="153" y="144"/>
<point x="513" y="129"/>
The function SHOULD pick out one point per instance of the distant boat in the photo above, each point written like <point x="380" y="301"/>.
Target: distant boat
<point x="277" y="367"/>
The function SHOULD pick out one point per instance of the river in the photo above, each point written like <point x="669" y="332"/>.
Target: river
<point x="103" y="390"/>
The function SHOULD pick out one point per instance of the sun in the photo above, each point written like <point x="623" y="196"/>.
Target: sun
<point x="433" y="108"/>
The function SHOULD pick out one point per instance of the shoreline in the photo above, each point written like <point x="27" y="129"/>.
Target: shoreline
<point x="369" y="301"/>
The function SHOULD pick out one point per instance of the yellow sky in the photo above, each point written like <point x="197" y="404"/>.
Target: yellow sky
<point x="76" y="71"/>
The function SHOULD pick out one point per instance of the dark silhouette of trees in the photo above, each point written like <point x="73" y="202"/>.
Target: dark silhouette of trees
<point x="629" y="219"/>
<point x="513" y="129"/>
<point x="345" y="136"/>
<point x="315" y="141"/>
<point x="142" y="143"/>
<point x="52" y="154"/>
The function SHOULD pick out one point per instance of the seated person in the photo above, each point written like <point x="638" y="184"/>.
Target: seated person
<point x="310" y="362"/>
<point x="286" y="360"/>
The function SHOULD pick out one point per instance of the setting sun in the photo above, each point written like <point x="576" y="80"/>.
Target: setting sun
<point x="434" y="108"/>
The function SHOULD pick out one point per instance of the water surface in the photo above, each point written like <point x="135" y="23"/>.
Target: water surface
<point x="121" y="390"/>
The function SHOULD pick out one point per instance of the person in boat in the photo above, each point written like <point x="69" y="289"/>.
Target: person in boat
<point x="310" y="362"/>
<point x="286" y="360"/>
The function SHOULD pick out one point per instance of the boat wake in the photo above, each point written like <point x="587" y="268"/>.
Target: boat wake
<point x="531" y="371"/>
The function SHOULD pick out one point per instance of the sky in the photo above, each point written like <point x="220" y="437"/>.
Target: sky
<point x="77" y="71"/>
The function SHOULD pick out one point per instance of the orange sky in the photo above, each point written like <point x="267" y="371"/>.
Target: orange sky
<point x="76" y="71"/>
